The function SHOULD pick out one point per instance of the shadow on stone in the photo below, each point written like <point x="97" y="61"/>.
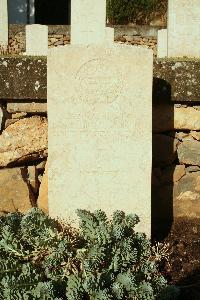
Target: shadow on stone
<point x="51" y="12"/>
<point x="164" y="160"/>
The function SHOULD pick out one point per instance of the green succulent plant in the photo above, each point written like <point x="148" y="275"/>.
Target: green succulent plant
<point x="41" y="258"/>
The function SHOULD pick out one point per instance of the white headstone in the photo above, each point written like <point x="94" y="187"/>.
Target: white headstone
<point x="3" y="24"/>
<point x="162" y="43"/>
<point x="36" y="39"/>
<point x="100" y="136"/>
<point x="88" y="21"/>
<point x="109" y="35"/>
<point x="183" y="28"/>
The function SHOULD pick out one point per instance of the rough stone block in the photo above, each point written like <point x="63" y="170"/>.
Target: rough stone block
<point x="15" y="194"/>
<point x="100" y="119"/>
<point x="168" y="117"/>
<point x="189" y="152"/>
<point x="25" y="140"/>
<point x="27" y="107"/>
<point x="187" y="196"/>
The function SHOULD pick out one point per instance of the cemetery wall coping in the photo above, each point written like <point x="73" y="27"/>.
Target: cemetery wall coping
<point x="25" y="78"/>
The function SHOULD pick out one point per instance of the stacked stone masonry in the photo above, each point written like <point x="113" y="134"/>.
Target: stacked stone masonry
<point x="144" y="36"/>
<point x="176" y="138"/>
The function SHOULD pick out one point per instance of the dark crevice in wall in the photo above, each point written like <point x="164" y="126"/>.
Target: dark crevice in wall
<point x="51" y="12"/>
<point x="162" y="199"/>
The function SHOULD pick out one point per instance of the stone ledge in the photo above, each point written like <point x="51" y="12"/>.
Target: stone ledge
<point x="176" y="80"/>
<point x="25" y="78"/>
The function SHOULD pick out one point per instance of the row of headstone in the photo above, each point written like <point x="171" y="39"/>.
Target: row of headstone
<point x="182" y="36"/>
<point x="180" y="39"/>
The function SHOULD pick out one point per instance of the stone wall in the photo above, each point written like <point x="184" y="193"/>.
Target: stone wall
<point x="176" y="138"/>
<point x="59" y="35"/>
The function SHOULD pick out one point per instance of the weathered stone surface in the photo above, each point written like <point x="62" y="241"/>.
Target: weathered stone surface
<point x="176" y="80"/>
<point x="164" y="150"/>
<point x="173" y="80"/>
<point x="192" y="169"/>
<point x="10" y="121"/>
<point x="187" y="204"/>
<point x="181" y="135"/>
<point x="187" y="196"/>
<point x="172" y="173"/>
<point x="195" y="134"/>
<point x="1" y="117"/>
<point x="190" y="182"/>
<point x="15" y="195"/>
<point x="189" y="152"/>
<point x="183" y="28"/>
<point x="26" y="106"/>
<point x="42" y="201"/>
<point x="41" y="165"/>
<point x="33" y="178"/>
<point x="15" y="117"/>
<point x="168" y="117"/>
<point x="180" y="199"/>
<point x="19" y="115"/>
<point x="25" y="140"/>
<point x="105" y="148"/>
<point x="186" y="118"/>
<point x="23" y="78"/>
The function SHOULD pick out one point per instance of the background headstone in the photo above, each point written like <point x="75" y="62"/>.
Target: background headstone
<point x="162" y="43"/>
<point x="88" y="21"/>
<point x="36" y="39"/>
<point x="3" y="24"/>
<point x="110" y="35"/>
<point x="100" y="130"/>
<point x="183" y="28"/>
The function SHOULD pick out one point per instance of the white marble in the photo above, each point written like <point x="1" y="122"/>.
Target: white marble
<point x="183" y="28"/>
<point x="109" y="39"/>
<point x="36" y="40"/>
<point x="88" y="21"/>
<point x="100" y="130"/>
<point x="162" y="43"/>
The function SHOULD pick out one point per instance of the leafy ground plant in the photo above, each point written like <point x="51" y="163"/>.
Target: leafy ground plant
<point x="41" y="258"/>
